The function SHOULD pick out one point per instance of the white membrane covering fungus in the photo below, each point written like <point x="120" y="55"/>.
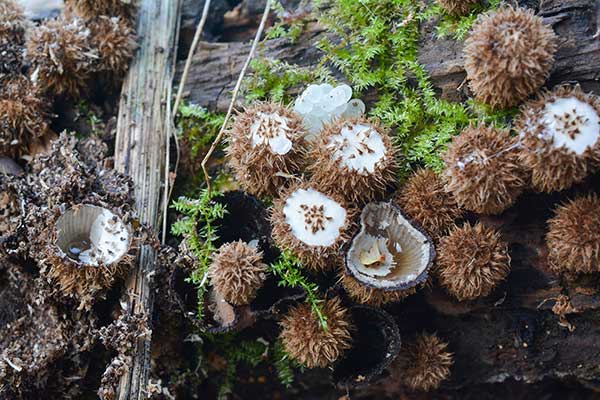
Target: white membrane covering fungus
<point x="271" y="129"/>
<point x="571" y="123"/>
<point x="92" y="235"/>
<point x="313" y="217"/>
<point x="359" y="147"/>
<point x="320" y="104"/>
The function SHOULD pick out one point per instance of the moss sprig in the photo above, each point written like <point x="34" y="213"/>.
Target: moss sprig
<point x="289" y="269"/>
<point x="198" y="227"/>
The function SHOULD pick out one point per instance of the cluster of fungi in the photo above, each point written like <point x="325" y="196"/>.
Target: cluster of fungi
<point x="330" y="172"/>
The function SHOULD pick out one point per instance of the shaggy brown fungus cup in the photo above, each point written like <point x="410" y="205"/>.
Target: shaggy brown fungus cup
<point x="390" y="252"/>
<point x="560" y="135"/>
<point x="508" y="56"/>
<point x="354" y="159"/>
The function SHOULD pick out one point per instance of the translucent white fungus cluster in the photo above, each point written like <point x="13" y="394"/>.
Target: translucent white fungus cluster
<point x="313" y="217"/>
<point x="320" y="104"/>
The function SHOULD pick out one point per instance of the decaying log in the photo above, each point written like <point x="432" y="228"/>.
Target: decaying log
<point x="517" y="333"/>
<point x="140" y="153"/>
<point x="216" y="65"/>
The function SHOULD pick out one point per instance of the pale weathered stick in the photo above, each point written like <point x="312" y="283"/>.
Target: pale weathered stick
<point x="140" y="153"/>
<point x="188" y="61"/>
<point x="238" y="84"/>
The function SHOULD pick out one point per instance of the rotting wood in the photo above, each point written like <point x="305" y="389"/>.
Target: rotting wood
<point x="216" y="65"/>
<point x="140" y="153"/>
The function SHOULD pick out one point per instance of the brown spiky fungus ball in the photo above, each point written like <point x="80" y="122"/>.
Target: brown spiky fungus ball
<point x="306" y="341"/>
<point x="364" y="294"/>
<point x="12" y="36"/>
<point x="25" y="114"/>
<point x="311" y="224"/>
<point x="266" y="148"/>
<point x="424" y="199"/>
<point x="115" y="41"/>
<point x="508" y="56"/>
<point x="424" y="364"/>
<point x="457" y="7"/>
<point x="482" y="169"/>
<point x="237" y="272"/>
<point x="472" y="261"/>
<point x="573" y="237"/>
<point x="90" y="9"/>
<point x="61" y="55"/>
<point x="353" y="158"/>
<point x="560" y="135"/>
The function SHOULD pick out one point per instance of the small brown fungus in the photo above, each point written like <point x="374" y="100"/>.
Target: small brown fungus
<point x="115" y="41"/>
<point x="573" y="237"/>
<point x="472" y="261"/>
<point x="237" y="272"/>
<point x="560" y="135"/>
<point x="424" y="364"/>
<point x="508" y="56"/>
<point x="457" y="7"/>
<point x="12" y="36"/>
<point x="482" y="169"/>
<point x="61" y="55"/>
<point x="305" y="340"/>
<point x="25" y="116"/>
<point x="371" y="296"/>
<point x="266" y="148"/>
<point x="424" y="199"/>
<point x="354" y="159"/>
<point x="90" y="9"/>
<point x="390" y="252"/>
<point x="311" y="224"/>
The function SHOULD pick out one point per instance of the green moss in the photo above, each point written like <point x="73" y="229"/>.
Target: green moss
<point x="278" y="81"/>
<point x="375" y="45"/>
<point x="198" y="126"/>
<point x="458" y="27"/>
<point x="197" y="225"/>
<point x="287" y="26"/>
<point x="289" y="269"/>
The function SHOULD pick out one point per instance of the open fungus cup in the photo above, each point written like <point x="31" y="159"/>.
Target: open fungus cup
<point x="390" y="252"/>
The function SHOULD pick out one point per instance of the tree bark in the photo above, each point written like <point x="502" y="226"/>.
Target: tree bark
<point x="216" y="65"/>
<point x="140" y="152"/>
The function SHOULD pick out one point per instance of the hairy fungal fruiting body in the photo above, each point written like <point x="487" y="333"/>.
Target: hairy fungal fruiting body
<point x="560" y="135"/>
<point x="12" y="36"/>
<point x="237" y="272"/>
<point x="266" y="147"/>
<point x="25" y="114"/>
<point x="424" y="199"/>
<point x="355" y="159"/>
<point x="61" y="55"/>
<point x="90" y="9"/>
<point x="311" y="224"/>
<point x="390" y="252"/>
<point x="305" y="340"/>
<point x="472" y="261"/>
<point x="573" y="237"/>
<point x="508" y="56"/>
<point x="115" y="41"/>
<point x="363" y="294"/>
<point x="482" y="169"/>
<point x="425" y="363"/>
<point x="88" y="247"/>
<point x="457" y="7"/>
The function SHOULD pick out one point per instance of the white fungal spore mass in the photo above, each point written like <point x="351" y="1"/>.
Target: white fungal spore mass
<point x="271" y="129"/>
<point x="572" y="124"/>
<point x="108" y="240"/>
<point x="319" y="104"/>
<point x="314" y="218"/>
<point x="358" y="147"/>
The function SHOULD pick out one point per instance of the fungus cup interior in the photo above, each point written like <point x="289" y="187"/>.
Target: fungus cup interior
<point x="389" y="252"/>
<point x="92" y="235"/>
<point x="375" y="344"/>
